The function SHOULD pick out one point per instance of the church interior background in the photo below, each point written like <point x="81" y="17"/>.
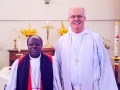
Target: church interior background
<point x="18" y="14"/>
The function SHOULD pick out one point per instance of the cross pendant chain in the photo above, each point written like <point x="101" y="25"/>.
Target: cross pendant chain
<point x="36" y="87"/>
<point x="77" y="53"/>
<point x="76" y="61"/>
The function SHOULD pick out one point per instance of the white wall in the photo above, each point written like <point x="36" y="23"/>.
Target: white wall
<point x="101" y="17"/>
<point x="57" y="9"/>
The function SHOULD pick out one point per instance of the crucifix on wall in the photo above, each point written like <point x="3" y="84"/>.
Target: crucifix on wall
<point x="47" y="26"/>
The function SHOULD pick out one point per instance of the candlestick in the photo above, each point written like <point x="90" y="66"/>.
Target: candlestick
<point x="116" y="39"/>
<point x="15" y="44"/>
<point x="18" y="43"/>
<point x="0" y="45"/>
<point x="14" y="34"/>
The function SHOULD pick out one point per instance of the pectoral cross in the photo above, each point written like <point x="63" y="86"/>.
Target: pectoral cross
<point x="47" y="27"/>
<point x="76" y="61"/>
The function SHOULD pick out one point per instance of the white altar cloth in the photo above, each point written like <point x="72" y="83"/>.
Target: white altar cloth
<point x="4" y="76"/>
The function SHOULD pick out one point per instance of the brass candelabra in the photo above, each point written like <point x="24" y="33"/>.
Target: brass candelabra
<point x="115" y="58"/>
<point x="15" y="46"/>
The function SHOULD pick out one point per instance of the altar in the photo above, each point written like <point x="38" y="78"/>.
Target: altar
<point x="4" y="77"/>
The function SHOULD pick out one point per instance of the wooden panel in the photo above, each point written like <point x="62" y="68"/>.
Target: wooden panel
<point x="14" y="54"/>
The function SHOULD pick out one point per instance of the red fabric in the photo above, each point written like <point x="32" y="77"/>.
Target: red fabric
<point x="29" y="77"/>
<point x="20" y="59"/>
<point x="40" y="85"/>
<point x="29" y="81"/>
<point x="50" y="57"/>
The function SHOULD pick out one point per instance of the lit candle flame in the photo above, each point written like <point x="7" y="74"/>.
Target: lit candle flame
<point x="116" y="23"/>
<point x="47" y="23"/>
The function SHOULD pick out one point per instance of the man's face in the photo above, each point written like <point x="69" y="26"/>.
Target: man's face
<point x="76" y="19"/>
<point x="34" y="47"/>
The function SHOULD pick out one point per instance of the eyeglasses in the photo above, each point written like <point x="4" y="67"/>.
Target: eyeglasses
<point x="36" y="44"/>
<point x="78" y="16"/>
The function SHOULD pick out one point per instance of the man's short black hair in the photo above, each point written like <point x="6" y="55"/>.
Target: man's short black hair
<point x="35" y="36"/>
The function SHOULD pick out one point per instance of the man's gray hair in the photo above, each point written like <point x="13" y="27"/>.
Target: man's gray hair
<point x="84" y="12"/>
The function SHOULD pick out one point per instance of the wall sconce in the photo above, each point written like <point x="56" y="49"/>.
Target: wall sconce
<point x="46" y="1"/>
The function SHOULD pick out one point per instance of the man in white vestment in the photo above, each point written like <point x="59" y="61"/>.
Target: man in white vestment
<point x="34" y="71"/>
<point x="82" y="59"/>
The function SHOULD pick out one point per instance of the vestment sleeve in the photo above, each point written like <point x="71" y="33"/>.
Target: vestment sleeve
<point x="13" y="75"/>
<point x="57" y="59"/>
<point x="56" y="80"/>
<point x="107" y="79"/>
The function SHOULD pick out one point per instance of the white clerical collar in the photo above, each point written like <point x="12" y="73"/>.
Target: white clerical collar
<point x="83" y="32"/>
<point x="31" y="58"/>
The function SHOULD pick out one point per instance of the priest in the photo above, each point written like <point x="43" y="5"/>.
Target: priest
<point x="34" y="71"/>
<point x="82" y="59"/>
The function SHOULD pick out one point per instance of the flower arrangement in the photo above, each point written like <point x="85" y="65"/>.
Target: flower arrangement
<point x="62" y="30"/>
<point x="28" y="32"/>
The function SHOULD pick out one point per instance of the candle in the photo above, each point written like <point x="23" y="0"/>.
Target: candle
<point x="0" y="45"/>
<point x="47" y="23"/>
<point x="18" y="43"/>
<point x="14" y="34"/>
<point x="116" y="39"/>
